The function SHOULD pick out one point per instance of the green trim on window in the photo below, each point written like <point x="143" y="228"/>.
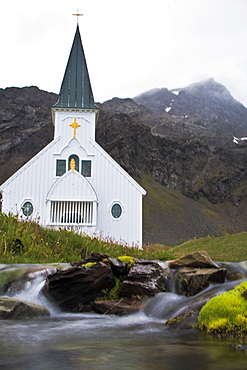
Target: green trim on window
<point x="86" y="168"/>
<point x="27" y="209"/>
<point x="116" y="210"/>
<point x="60" y="167"/>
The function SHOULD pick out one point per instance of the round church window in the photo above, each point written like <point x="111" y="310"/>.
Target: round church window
<point x="27" y="209"/>
<point x="116" y="210"/>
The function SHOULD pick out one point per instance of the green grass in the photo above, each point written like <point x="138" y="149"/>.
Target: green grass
<point x="160" y="199"/>
<point x="231" y="248"/>
<point x="28" y="242"/>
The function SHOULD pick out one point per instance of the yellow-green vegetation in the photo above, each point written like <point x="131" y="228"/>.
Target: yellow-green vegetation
<point x="226" y="313"/>
<point x="28" y="242"/>
<point x="231" y="248"/>
<point x="126" y="259"/>
<point x="89" y="264"/>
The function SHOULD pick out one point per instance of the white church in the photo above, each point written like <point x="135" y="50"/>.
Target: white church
<point x="73" y="183"/>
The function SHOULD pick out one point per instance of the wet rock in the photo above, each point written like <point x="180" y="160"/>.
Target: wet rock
<point x="145" y="278"/>
<point x="197" y="259"/>
<point x="76" y="287"/>
<point x="241" y="347"/>
<point x="234" y="271"/>
<point x="93" y="257"/>
<point x="183" y="322"/>
<point x="190" y="281"/>
<point x="119" y="269"/>
<point x="118" y="307"/>
<point x="11" y="308"/>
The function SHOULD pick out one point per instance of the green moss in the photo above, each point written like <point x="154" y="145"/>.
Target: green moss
<point x="127" y="259"/>
<point x="174" y="321"/>
<point x="89" y="264"/>
<point x="226" y="313"/>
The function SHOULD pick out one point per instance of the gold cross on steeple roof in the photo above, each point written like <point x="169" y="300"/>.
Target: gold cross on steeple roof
<point x="74" y="125"/>
<point x="78" y="15"/>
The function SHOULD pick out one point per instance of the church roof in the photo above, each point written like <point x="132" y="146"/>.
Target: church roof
<point x="76" y="91"/>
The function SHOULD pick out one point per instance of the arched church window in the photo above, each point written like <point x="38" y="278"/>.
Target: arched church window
<point x="27" y="209"/>
<point x="116" y="210"/>
<point x="76" y="159"/>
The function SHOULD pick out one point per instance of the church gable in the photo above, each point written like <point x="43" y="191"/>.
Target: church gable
<point x="72" y="201"/>
<point x="72" y="186"/>
<point x="74" y="150"/>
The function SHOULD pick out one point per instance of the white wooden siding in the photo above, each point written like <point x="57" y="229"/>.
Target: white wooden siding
<point x="37" y="182"/>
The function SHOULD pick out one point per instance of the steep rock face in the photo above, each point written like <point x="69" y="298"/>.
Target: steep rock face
<point x="25" y="126"/>
<point x="196" y="167"/>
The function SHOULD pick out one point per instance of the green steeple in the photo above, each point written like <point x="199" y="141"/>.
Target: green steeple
<point x="76" y="91"/>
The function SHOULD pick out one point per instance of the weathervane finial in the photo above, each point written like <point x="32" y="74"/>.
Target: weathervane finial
<point x="78" y="15"/>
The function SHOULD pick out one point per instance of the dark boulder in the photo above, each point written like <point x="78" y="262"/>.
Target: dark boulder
<point x="190" y="281"/>
<point x="73" y="289"/>
<point x="93" y="257"/>
<point x="119" y="269"/>
<point x="145" y="278"/>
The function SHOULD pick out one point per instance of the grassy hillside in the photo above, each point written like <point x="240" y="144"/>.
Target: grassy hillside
<point x="224" y="248"/>
<point x="27" y="242"/>
<point x="169" y="217"/>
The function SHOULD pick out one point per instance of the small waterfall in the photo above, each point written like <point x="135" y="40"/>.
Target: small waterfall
<point x="164" y="305"/>
<point x="33" y="294"/>
<point x="28" y="286"/>
<point x="168" y="305"/>
<point x="234" y="270"/>
<point x="25" y="282"/>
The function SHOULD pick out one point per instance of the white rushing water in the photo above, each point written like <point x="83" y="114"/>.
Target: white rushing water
<point x="92" y="341"/>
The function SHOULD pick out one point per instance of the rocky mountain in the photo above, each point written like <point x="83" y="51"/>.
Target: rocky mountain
<point x="25" y="126"/>
<point x="178" y="144"/>
<point x="201" y="110"/>
<point x="197" y="156"/>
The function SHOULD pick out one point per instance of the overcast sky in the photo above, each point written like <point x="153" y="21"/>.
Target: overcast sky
<point x="131" y="46"/>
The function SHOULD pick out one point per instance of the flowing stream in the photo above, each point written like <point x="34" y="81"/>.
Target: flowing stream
<point x="91" y="341"/>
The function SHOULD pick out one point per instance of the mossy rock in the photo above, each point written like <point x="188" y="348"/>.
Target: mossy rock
<point x="186" y="321"/>
<point x="226" y="314"/>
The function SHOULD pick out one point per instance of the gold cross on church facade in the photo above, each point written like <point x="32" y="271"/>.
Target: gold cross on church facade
<point x="74" y="125"/>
